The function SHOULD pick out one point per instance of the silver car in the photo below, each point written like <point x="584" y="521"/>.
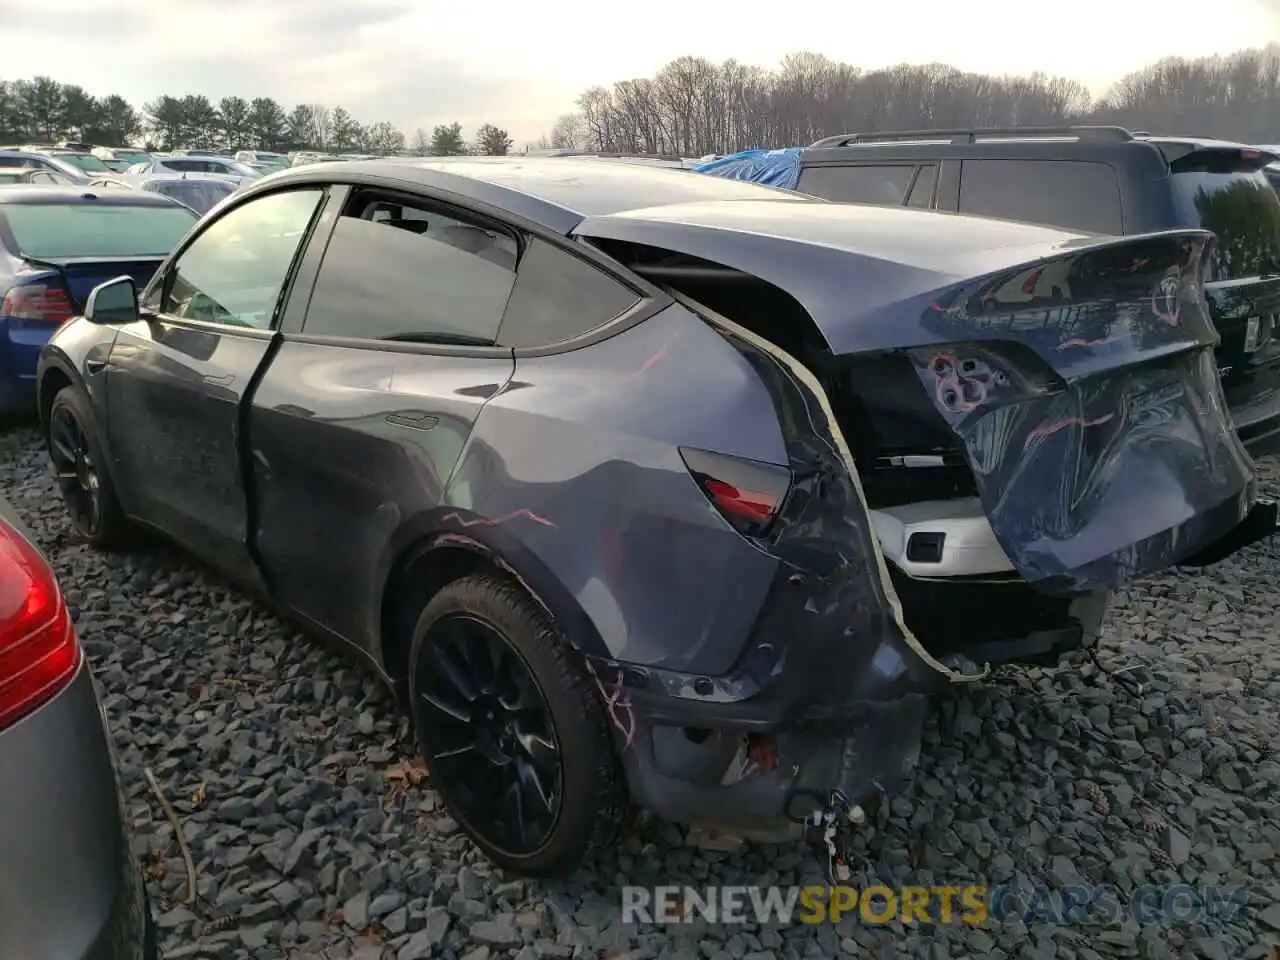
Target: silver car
<point x="70" y="888"/>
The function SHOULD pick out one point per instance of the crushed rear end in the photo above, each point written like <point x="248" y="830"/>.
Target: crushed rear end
<point x="982" y="445"/>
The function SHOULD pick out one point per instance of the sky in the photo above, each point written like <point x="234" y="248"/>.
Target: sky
<point x="520" y="64"/>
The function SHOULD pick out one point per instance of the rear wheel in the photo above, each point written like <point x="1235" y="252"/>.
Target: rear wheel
<point x="80" y="469"/>
<point x="512" y="731"/>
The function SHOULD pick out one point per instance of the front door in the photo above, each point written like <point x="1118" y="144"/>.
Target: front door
<point x="177" y="378"/>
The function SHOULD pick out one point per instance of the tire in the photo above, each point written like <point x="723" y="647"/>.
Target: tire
<point x="111" y="528"/>
<point x="592" y="797"/>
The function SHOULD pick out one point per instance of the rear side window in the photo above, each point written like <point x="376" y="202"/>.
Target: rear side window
<point x="72" y="230"/>
<point x="558" y="296"/>
<point x="394" y="271"/>
<point x="1072" y="194"/>
<point x="886" y="185"/>
<point x="1239" y="205"/>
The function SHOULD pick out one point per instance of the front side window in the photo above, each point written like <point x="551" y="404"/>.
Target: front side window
<point x="884" y="185"/>
<point x="235" y="271"/>
<point x="558" y="297"/>
<point x="396" y="271"/>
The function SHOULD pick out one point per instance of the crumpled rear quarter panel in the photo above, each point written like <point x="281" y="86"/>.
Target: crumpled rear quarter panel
<point x="1091" y="412"/>
<point x="578" y="460"/>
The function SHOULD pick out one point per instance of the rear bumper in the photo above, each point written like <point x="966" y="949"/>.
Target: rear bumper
<point x="69" y="885"/>
<point x="1257" y="423"/>
<point x="20" y="344"/>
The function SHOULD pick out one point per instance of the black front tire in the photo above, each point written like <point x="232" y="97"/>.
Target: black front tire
<point x="593" y="800"/>
<point x="111" y="529"/>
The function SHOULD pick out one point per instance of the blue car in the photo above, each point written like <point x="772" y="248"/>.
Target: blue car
<point x="56" y="244"/>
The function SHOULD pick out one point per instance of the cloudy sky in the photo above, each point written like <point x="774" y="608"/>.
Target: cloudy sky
<point x="521" y="63"/>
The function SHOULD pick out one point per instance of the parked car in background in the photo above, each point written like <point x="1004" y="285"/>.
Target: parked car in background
<point x="56" y="244"/>
<point x="263" y="160"/>
<point x="220" y="166"/>
<point x="27" y="160"/>
<point x="200" y="192"/>
<point x="657" y="160"/>
<point x="84" y="161"/>
<point x="69" y="884"/>
<point x="1098" y="180"/>
<point x="126" y="155"/>
<point x="305" y="157"/>
<point x="638" y="482"/>
<point x="29" y="175"/>
<point x="1272" y="170"/>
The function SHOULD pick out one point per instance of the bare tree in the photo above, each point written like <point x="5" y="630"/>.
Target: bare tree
<point x="321" y="123"/>
<point x="421" y="142"/>
<point x="694" y="107"/>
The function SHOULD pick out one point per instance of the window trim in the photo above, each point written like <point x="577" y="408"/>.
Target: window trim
<point x="654" y="299"/>
<point x="444" y="208"/>
<point x="293" y="321"/>
<point x="164" y="276"/>
<point x="573" y="253"/>
<point x="933" y="187"/>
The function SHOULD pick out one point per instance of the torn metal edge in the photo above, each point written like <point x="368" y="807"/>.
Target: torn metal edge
<point x="806" y="376"/>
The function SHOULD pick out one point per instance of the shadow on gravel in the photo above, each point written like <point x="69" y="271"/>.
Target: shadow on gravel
<point x="313" y="836"/>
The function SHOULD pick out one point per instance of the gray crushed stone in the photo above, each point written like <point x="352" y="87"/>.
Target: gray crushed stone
<point x="281" y="759"/>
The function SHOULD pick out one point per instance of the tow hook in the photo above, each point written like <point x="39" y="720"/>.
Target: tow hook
<point x="833" y="828"/>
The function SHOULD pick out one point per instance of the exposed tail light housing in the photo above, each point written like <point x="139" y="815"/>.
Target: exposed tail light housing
<point x="748" y="493"/>
<point x="39" y="654"/>
<point x="44" y="301"/>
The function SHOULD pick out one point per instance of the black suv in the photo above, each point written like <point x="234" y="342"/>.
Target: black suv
<point x="1102" y="180"/>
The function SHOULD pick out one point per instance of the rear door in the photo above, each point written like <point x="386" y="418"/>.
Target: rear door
<point x="176" y="379"/>
<point x="361" y="417"/>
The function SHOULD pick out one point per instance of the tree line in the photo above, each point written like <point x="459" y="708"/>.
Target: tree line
<point x="44" y="110"/>
<point x="693" y="107"/>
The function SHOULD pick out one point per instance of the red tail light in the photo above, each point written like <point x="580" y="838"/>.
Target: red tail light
<point x="38" y="650"/>
<point x="748" y="493"/>
<point x="38" y="301"/>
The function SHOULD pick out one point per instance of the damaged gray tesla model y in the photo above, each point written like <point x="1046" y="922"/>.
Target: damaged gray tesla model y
<point x="643" y="486"/>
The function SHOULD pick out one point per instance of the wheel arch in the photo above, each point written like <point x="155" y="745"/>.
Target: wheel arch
<point x="448" y="544"/>
<point x="54" y="378"/>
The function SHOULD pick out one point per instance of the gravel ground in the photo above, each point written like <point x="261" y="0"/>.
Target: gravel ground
<point x="313" y="835"/>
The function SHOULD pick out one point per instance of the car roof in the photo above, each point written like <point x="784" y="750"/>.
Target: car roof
<point x="556" y="193"/>
<point x="58" y="194"/>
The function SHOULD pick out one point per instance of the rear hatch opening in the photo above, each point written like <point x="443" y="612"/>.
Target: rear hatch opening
<point x="958" y="591"/>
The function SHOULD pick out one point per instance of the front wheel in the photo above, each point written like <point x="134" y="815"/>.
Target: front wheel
<point x="512" y="730"/>
<point x="81" y="471"/>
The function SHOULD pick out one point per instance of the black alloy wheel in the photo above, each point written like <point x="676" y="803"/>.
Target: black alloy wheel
<point x="511" y="725"/>
<point x="77" y="470"/>
<point x="488" y="735"/>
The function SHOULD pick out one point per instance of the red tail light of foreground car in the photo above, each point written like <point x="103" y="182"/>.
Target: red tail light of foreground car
<point x="39" y="654"/>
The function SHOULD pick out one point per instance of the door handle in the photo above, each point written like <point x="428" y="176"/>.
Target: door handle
<point x="413" y="419"/>
<point x="223" y="381"/>
<point x="95" y="366"/>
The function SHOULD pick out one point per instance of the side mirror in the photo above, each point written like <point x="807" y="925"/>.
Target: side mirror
<point x="115" y="301"/>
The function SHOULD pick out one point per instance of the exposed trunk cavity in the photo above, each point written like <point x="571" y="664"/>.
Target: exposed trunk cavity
<point x="910" y="468"/>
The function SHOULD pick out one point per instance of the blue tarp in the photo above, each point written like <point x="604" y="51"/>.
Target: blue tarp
<point x="773" y="168"/>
